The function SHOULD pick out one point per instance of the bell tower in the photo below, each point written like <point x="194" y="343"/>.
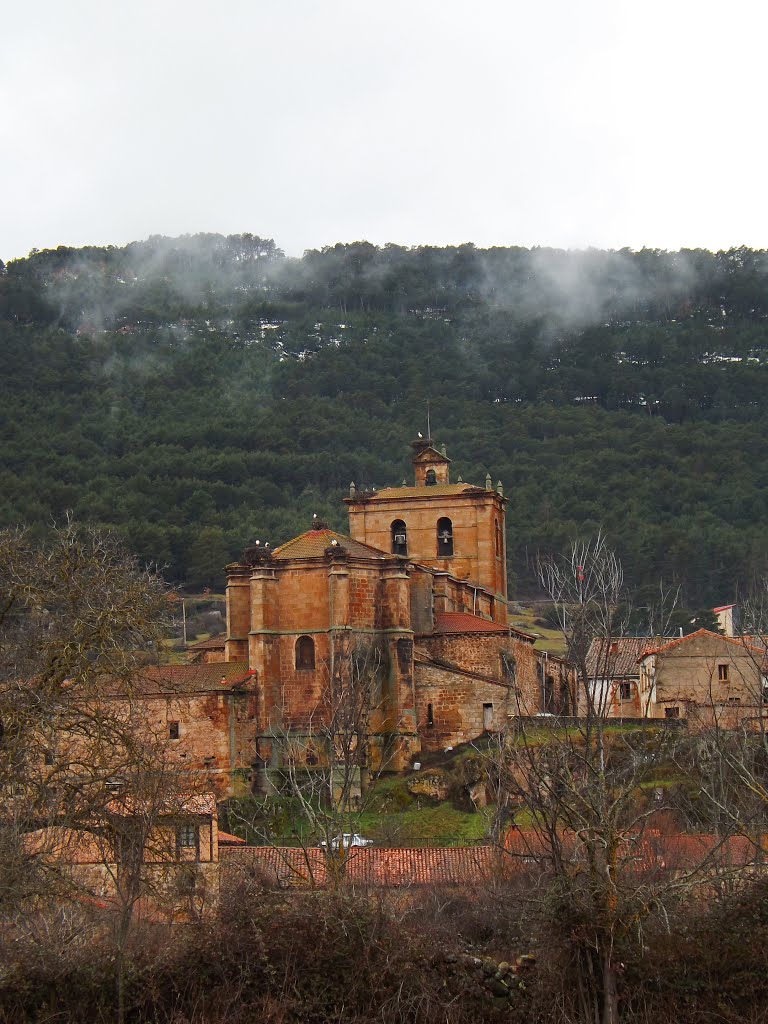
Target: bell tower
<point x="431" y="466"/>
<point x="457" y="529"/>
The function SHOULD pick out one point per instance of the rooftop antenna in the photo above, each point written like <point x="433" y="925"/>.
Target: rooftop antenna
<point x="429" y="432"/>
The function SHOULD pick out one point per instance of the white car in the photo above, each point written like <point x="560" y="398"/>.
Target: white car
<point x="346" y="840"/>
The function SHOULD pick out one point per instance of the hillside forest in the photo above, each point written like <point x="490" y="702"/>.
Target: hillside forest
<point x="196" y="393"/>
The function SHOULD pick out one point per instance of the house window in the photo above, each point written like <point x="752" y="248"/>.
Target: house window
<point x="430" y="478"/>
<point x="187" y="838"/>
<point x="734" y="700"/>
<point x="305" y="653"/>
<point x="173" y="731"/>
<point x="444" y="537"/>
<point x="722" y="673"/>
<point x="672" y="712"/>
<point x="430" y="715"/>
<point x="399" y="538"/>
<point x="487" y="717"/>
<point x="625" y="691"/>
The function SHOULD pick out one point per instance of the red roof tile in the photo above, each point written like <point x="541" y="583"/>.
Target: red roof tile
<point x="313" y="544"/>
<point x="221" y="675"/>
<point x="213" y="643"/>
<point x="227" y="839"/>
<point x="469" y="865"/>
<point x="738" y="641"/>
<point x="374" y="866"/>
<point x="617" y="656"/>
<point x="465" y="622"/>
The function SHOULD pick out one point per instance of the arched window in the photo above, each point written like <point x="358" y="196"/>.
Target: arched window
<point x="498" y="538"/>
<point x="399" y="538"/>
<point x="444" y="537"/>
<point x="305" y="653"/>
<point x="430" y="478"/>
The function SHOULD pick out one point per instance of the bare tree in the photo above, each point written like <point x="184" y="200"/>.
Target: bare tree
<point x="78" y="622"/>
<point x="582" y="786"/>
<point x="329" y="754"/>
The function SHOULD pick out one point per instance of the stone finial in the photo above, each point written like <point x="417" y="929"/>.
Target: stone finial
<point x="460" y="480"/>
<point x="443" y="451"/>
<point x="499" y="488"/>
<point x="488" y="482"/>
<point x="352" y="489"/>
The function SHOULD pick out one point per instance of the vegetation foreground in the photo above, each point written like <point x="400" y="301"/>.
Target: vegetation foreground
<point x="420" y="956"/>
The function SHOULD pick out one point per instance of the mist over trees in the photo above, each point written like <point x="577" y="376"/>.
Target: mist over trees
<point x="199" y="392"/>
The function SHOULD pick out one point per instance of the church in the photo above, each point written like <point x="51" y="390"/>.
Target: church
<point x="411" y="605"/>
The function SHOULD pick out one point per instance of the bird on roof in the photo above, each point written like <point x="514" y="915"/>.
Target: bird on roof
<point x="420" y="434"/>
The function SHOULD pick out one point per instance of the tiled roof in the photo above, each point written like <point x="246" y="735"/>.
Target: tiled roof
<point x="221" y="675"/>
<point x="313" y="544"/>
<point x="213" y="643"/>
<point x="616" y="657"/>
<point x="441" y="490"/>
<point x="286" y="866"/>
<point x="465" y="622"/>
<point x="468" y="865"/>
<point x="227" y="839"/>
<point x="737" y="641"/>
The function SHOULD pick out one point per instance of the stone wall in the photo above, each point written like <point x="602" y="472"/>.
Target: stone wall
<point x="465" y="688"/>
<point x="216" y="734"/>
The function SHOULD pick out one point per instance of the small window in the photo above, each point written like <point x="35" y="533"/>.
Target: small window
<point x="722" y="673"/>
<point x="187" y="835"/>
<point x="173" y="731"/>
<point x="399" y="538"/>
<point x="444" y="537"/>
<point x="487" y="717"/>
<point x="625" y="691"/>
<point x="672" y="712"/>
<point x="187" y="838"/>
<point x="497" y="534"/>
<point x="48" y="757"/>
<point x="430" y="478"/>
<point x="430" y="715"/>
<point x="734" y="700"/>
<point x="305" y="653"/>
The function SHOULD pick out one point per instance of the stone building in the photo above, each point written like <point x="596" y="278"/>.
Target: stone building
<point x="703" y="678"/>
<point x="421" y="583"/>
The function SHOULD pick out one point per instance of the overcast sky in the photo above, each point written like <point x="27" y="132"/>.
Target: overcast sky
<point x="607" y="123"/>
